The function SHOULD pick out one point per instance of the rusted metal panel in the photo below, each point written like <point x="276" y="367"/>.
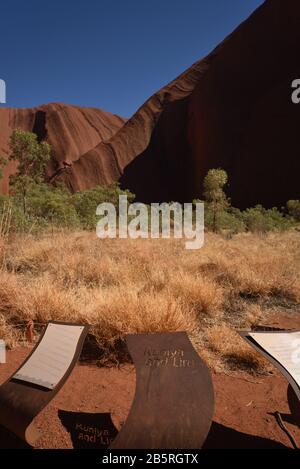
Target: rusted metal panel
<point x="174" y="400"/>
<point x="21" y="401"/>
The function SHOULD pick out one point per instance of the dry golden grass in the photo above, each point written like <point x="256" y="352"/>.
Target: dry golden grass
<point x="127" y="286"/>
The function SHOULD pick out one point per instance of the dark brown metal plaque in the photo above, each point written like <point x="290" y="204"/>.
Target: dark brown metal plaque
<point x="174" y="399"/>
<point x="21" y="400"/>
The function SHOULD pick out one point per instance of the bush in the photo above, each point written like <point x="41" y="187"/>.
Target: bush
<point x="56" y="207"/>
<point x="261" y="220"/>
<point x="52" y="205"/>
<point x="12" y="218"/>
<point x="48" y="206"/>
<point x="86" y="202"/>
<point x="293" y="208"/>
<point x="229" y="220"/>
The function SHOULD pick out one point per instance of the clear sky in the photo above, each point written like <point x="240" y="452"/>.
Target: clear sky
<point x="111" y="54"/>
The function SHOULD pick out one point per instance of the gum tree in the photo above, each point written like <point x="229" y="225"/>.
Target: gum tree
<point x="214" y="194"/>
<point x="32" y="158"/>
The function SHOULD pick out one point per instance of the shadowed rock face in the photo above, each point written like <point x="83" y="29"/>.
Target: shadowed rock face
<point x="232" y="109"/>
<point x="70" y="130"/>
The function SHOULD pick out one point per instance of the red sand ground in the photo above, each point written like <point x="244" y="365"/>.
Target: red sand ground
<point x="244" y="411"/>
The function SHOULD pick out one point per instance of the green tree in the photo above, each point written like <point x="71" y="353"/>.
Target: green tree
<point x="214" y="194"/>
<point x="32" y="158"/>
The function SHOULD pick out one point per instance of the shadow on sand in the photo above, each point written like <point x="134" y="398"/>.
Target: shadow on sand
<point x="98" y="431"/>
<point x="221" y="437"/>
<point x="89" y="431"/>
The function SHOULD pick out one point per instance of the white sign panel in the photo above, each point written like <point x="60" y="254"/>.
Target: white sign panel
<point x="284" y="347"/>
<point x="52" y="357"/>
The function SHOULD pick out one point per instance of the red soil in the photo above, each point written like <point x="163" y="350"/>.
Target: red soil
<point x="244" y="412"/>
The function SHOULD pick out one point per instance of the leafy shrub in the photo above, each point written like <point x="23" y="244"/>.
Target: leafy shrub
<point x="86" y="202"/>
<point x="48" y="206"/>
<point x="226" y="220"/>
<point x="293" y="207"/>
<point x="261" y="220"/>
<point x="52" y="205"/>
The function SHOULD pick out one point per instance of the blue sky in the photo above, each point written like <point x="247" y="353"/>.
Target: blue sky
<point x="111" y="54"/>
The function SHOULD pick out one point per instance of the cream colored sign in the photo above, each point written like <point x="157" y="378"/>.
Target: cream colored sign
<point x="284" y="347"/>
<point x="52" y="357"/>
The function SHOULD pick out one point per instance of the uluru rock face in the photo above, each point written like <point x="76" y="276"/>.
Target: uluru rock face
<point x="233" y="109"/>
<point x="70" y="130"/>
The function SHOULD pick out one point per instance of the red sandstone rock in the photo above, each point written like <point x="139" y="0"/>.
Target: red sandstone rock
<point x="71" y="131"/>
<point x="233" y="109"/>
